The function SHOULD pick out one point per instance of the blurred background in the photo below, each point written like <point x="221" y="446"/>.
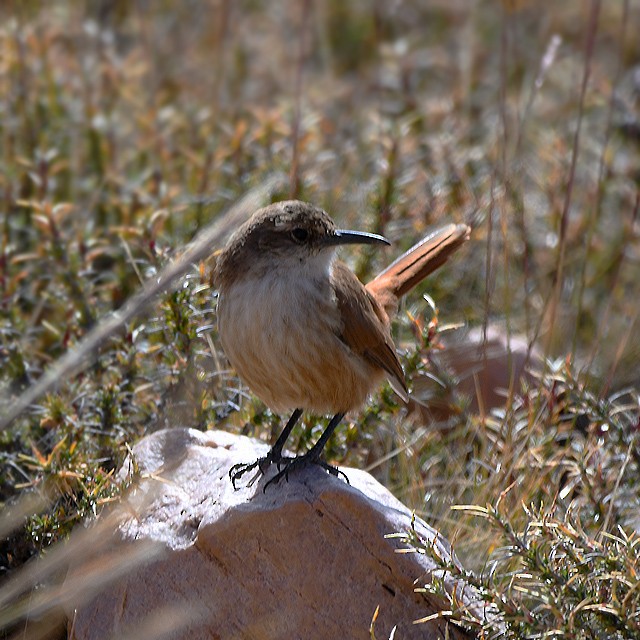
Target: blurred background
<point x="129" y="126"/>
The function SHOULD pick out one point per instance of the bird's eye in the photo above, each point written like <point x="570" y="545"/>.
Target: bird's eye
<point x="299" y="234"/>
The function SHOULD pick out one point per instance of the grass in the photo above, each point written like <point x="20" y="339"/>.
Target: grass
<point x="128" y="128"/>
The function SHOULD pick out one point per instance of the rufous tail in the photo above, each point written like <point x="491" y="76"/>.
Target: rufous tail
<point x="416" y="264"/>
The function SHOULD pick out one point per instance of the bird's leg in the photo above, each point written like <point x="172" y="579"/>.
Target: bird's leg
<point x="274" y="455"/>
<point x="312" y="456"/>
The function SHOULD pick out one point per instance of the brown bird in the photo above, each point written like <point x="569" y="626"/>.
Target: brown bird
<point x="300" y="328"/>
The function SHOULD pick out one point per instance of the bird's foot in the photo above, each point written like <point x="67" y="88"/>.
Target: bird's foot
<point x="300" y="462"/>
<point x="238" y="470"/>
<point x="261" y="464"/>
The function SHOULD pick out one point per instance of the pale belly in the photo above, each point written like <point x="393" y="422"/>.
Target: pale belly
<point x="284" y="344"/>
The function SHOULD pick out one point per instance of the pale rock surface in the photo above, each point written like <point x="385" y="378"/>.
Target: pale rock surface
<point x="482" y="368"/>
<point x="307" y="558"/>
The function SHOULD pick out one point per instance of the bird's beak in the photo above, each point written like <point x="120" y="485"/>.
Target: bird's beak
<point x="341" y="236"/>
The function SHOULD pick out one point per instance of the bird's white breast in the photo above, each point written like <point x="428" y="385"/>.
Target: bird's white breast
<point x="280" y="331"/>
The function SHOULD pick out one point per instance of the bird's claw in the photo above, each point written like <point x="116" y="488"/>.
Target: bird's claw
<point x="299" y="462"/>
<point x="238" y="470"/>
<point x="262" y="464"/>
<point x="284" y="464"/>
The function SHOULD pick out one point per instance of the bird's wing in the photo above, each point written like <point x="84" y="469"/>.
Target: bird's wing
<point x="365" y="326"/>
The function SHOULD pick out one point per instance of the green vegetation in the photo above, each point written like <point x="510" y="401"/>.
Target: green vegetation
<point x="127" y="127"/>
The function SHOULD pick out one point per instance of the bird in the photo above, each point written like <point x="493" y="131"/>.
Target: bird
<point x="299" y="327"/>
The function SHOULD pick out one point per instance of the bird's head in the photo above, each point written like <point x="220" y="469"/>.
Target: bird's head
<point x="285" y="235"/>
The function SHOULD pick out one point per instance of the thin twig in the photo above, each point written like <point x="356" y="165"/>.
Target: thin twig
<point x="294" y="174"/>
<point x="203" y="245"/>
<point x="564" y="220"/>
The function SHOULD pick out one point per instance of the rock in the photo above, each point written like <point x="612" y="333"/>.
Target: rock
<point x="474" y="370"/>
<point x="307" y="558"/>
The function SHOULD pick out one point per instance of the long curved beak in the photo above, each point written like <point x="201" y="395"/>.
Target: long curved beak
<point x="342" y="236"/>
